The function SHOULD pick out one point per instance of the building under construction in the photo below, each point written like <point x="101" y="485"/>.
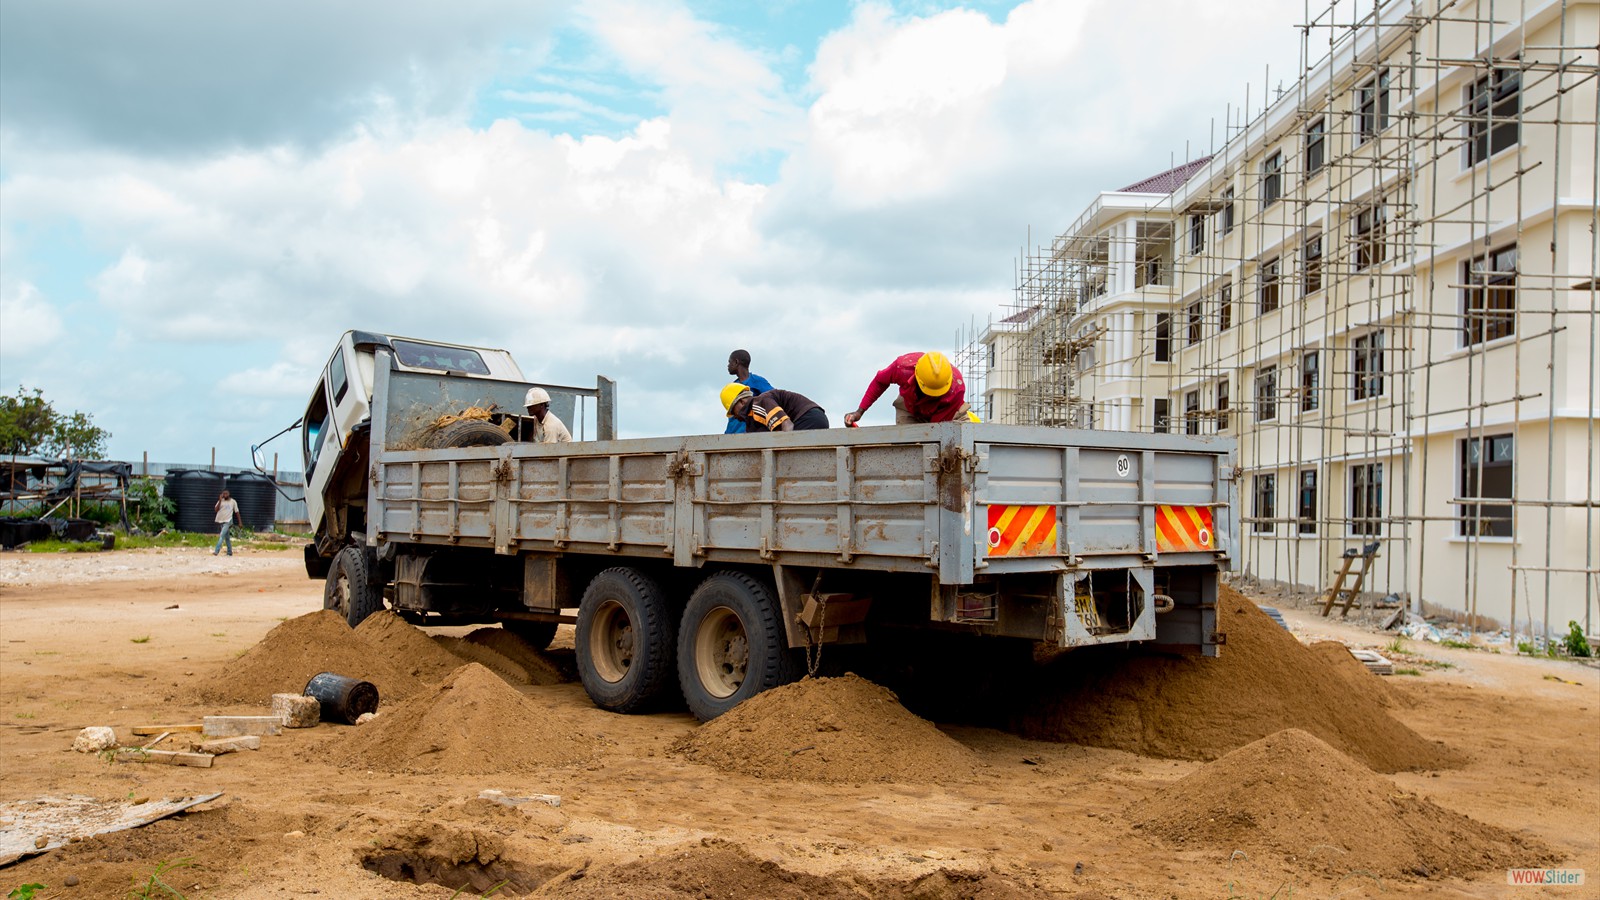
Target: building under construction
<point x="1383" y="285"/>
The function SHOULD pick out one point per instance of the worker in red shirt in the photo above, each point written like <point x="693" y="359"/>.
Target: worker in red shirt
<point x="931" y="390"/>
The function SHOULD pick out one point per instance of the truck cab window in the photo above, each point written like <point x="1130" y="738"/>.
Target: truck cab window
<point x="336" y="376"/>
<point x="315" y="430"/>
<point x="432" y="356"/>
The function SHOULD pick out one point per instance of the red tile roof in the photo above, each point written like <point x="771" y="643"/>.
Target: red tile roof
<point x="1168" y="181"/>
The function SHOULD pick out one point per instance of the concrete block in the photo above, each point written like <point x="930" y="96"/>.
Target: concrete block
<point x="231" y="745"/>
<point x="233" y="726"/>
<point x="298" y="711"/>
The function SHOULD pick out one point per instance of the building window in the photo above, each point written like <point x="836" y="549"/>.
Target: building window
<point x="1366" y="499"/>
<point x="1191" y="412"/>
<point x="1486" y="473"/>
<point x="991" y="355"/>
<point x="1196" y="323"/>
<point x="1307" y="513"/>
<point x="1494" y="103"/>
<point x="1372" y="107"/>
<point x="1316" y="146"/>
<point x="1311" y="274"/>
<point x="1310" y="381"/>
<point x="1197" y="233"/>
<point x="1225" y="308"/>
<point x="1265" y="508"/>
<point x="1267" y="394"/>
<point x="1272" y="179"/>
<point x="1368" y="233"/>
<point x="1222" y="405"/>
<point x="1163" y="415"/>
<point x="1227" y="210"/>
<point x="1270" y="271"/>
<point x="1490" y="299"/>
<point x="1163" y="337"/>
<point x="1367" y="365"/>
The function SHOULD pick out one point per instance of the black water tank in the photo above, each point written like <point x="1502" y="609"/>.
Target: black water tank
<point x="195" y="493"/>
<point x="258" y="499"/>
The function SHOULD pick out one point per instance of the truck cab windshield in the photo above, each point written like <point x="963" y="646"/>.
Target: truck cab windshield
<point x="432" y="356"/>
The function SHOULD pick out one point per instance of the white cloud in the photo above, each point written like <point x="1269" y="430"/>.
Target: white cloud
<point x="29" y="324"/>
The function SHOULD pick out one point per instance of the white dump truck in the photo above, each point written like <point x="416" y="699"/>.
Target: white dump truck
<point x="710" y="563"/>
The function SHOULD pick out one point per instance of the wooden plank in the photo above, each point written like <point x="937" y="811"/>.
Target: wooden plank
<point x="157" y="729"/>
<point x="159" y="738"/>
<point x="165" y="757"/>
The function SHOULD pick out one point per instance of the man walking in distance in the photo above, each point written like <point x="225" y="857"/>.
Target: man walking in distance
<point x="227" y="513"/>
<point x="739" y="368"/>
<point x="931" y="390"/>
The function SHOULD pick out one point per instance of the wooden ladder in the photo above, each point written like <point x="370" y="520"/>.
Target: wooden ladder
<point x="1349" y="594"/>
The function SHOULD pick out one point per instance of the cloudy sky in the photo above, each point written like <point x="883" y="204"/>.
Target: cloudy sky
<point x="197" y="198"/>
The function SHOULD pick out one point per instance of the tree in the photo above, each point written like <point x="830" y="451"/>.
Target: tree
<point x="30" y="425"/>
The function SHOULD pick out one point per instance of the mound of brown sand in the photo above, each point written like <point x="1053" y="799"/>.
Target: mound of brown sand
<point x="408" y="647"/>
<point x="1181" y="707"/>
<point x="471" y="723"/>
<point x="843" y="729"/>
<point x="543" y="667"/>
<point x="488" y="657"/>
<point x="721" y="871"/>
<point x="1290" y="793"/>
<point x="1356" y="676"/>
<point x="296" y="650"/>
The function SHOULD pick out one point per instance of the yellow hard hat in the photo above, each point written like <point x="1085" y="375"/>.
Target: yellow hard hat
<point x="934" y="374"/>
<point x="731" y="394"/>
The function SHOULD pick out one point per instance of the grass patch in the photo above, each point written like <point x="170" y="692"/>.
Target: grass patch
<point x="1408" y="671"/>
<point x="1398" y="645"/>
<point x="54" y="546"/>
<point x="1458" y="645"/>
<point x="141" y="640"/>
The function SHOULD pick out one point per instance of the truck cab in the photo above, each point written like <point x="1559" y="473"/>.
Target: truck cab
<point x="334" y="432"/>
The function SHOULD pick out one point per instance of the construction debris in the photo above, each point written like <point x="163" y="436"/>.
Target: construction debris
<point x="230" y="726"/>
<point x="165" y="757"/>
<point x="296" y="710"/>
<point x="60" y="820"/>
<point x="94" y="739"/>
<point x="141" y="730"/>
<point x="231" y="745"/>
<point x="502" y="798"/>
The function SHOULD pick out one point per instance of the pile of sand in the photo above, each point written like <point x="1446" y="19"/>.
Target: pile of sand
<point x="1198" y="708"/>
<point x="1290" y="793"/>
<point x="407" y="646"/>
<point x="471" y="723"/>
<point x="542" y="666"/>
<point x="843" y="729"/>
<point x="293" y="652"/>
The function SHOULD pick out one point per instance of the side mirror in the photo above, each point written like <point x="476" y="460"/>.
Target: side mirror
<point x="257" y="457"/>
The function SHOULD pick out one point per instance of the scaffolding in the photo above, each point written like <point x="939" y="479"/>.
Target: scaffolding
<point x="1382" y="284"/>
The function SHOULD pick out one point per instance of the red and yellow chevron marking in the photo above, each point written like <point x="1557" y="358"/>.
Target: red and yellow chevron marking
<point x="1184" y="529"/>
<point x="1022" y="531"/>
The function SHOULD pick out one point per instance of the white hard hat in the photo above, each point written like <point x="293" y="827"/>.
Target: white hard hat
<point x="535" y="397"/>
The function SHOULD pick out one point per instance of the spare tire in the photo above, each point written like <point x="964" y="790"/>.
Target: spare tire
<point x="467" y="433"/>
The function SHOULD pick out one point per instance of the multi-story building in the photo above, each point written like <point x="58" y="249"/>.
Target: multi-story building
<point x="1383" y="286"/>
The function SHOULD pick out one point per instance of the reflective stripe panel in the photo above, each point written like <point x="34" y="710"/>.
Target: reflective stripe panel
<point x="1184" y="529"/>
<point x="1022" y="531"/>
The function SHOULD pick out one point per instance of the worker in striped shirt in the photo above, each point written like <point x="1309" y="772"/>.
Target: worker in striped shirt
<point x="774" y="410"/>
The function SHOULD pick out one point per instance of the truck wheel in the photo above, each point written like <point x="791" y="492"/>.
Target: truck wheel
<point x="467" y="433"/>
<point x="539" y="634"/>
<point x="625" y="638"/>
<point x="353" y="589"/>
<point x="731" y="645"/>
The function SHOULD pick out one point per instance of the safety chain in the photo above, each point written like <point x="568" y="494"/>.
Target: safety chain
<point x="814" y="640"/>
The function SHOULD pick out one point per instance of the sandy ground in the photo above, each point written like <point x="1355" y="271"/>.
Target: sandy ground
<point x="121" y="638"/>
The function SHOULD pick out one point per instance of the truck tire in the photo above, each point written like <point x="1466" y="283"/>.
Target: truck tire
<point x="539" y="634"/>
<point x="624" y="641"/>
<point x="731" y="645"/>
<point x="467" y="433"/>
<point x="353" y="589"/>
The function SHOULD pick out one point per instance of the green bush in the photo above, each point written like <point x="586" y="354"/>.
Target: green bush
<point x="1576" y="643"/>
<point x="151" y="511"/>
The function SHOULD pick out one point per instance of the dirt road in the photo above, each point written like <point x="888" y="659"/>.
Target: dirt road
<point x="127" y="638"/>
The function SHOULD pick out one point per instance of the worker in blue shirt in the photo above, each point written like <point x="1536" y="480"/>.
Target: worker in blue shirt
<point x="739" y="368"/>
